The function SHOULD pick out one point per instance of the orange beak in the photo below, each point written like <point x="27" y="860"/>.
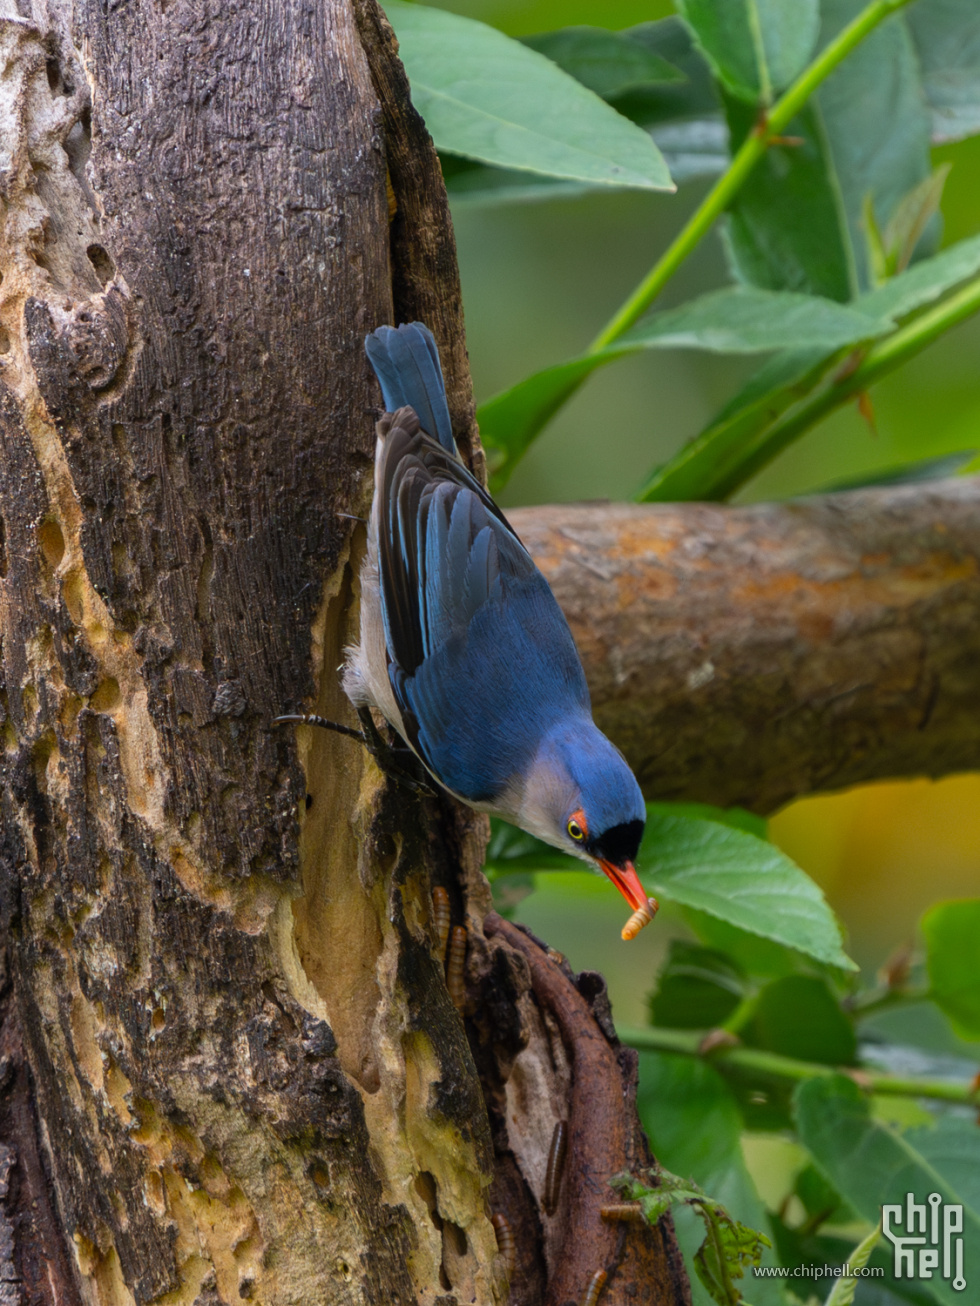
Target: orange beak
<point x="627" y="882"/>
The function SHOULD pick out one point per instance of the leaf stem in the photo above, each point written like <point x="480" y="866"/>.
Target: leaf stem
<point x="881" y="358"/>
<point x="749" y="153"/>
<point x="771" y="1065"/>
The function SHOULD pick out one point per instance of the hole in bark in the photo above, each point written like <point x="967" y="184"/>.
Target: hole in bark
<point x="309" y="801"/>
<point x="455" y="1237"/>
<point x="3" y="549"/>
<point x="155" y="1193"/>
<point x="78" y="147"/>
<point x="425" y="1186"/>
<point x="4" y="340"/>
<point x="54" y="74"/>
<point x="52" y="542"/>
<point x="320" y="1176"/>
<point x="158" y="1019"/>
<point x="106" y="697"/>
<point x="100" y="259"/>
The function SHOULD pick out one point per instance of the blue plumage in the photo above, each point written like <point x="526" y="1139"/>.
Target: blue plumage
<point x="406" y="362"/>
<point x="463" y="646"/>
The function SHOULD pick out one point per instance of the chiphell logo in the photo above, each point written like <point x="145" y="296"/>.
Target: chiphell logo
<point x="925" y="1241"/>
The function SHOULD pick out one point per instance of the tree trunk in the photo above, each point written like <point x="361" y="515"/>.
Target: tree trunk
<point x="247" y="1077"/>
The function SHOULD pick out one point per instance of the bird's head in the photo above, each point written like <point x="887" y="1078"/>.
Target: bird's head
<point x="581" y="796"/>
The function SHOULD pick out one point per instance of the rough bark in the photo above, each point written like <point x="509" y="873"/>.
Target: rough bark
<point x="750" y="655"/>
<point x="249" y="1079"/>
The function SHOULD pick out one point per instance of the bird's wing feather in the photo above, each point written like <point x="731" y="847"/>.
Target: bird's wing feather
<point x="475" y="638"/>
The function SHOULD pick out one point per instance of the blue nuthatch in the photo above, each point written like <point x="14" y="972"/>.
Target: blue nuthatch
<point x="463" y="647"/>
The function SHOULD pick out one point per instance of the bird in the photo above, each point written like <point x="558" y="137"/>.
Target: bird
<point x="463" y="648"/>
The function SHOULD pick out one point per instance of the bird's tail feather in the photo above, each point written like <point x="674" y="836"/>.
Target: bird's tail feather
<point x="406" y="362"/>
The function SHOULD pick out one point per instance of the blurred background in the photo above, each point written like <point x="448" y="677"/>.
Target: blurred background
<point x="539" y="279"/>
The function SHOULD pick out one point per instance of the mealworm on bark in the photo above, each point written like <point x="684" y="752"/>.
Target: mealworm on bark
<point x="618" y="1211"/>
<point x="556" y="1165"/>
<point x="454" y="968"/>
<point x="440" y="919"/>
<point x="642" y="916"/>
<point x="505" y="1242"/>
<point x="596" y="1285"/>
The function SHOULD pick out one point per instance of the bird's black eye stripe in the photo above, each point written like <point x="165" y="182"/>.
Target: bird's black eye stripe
<point x="620" y="844"/>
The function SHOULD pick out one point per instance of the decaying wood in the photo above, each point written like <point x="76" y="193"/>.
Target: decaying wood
<point x="750" y="655"/>
<point x="249" y="1079"/>
<point x="596" y="1084"/>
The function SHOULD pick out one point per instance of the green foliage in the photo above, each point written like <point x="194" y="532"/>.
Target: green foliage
<point x="609" y="63"/>
<point x="745" y="434"/>
<point x="863" y="140"/>
<point x="698" y="988"/>
<point x="947" y="40"/>
<point x="952" y="935"/>
<point x="828" y="192"/>
<point x="737" y="320"/>
<point x="742" y="880"/>
<point x="728" y="1246"/>
<point x="487" y="97"/>
<point x="872" y="1163"/>
<point x="799" y="1016"/>
<point x="774" y="1069"/>
<point x="754" y="47"/>
<point x="842" y="1293"/>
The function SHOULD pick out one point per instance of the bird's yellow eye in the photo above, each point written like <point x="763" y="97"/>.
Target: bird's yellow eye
<point x="575" y="830"/>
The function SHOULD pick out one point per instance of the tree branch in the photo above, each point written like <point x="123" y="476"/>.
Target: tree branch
<point x="749" y="655"/>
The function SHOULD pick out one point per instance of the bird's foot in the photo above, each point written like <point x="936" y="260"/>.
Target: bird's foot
<point x="400" y="763"/>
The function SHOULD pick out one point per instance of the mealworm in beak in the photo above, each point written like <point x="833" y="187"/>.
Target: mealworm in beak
<point x="642" y="916"/>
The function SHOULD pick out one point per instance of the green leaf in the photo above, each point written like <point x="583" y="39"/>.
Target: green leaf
<point x="697" y="988"/>
<point x="487" y="97"/>
<point x="821" y="1201"/>
<point x="737" y="817"/>
<point x="608" y="63"/>
<point x="736" y="320"/>
<point x="872" y="1164"/>
<point x="952" y="935"/>
<point x="694" y="1126"/>
<point x="754" y="955"/>
<point x="745" y="320"/>
<point x="865" y="132"/>
<point x="470" y="184"/>
<point x="924" y="283"/>
<point x="926" y="469"/>
<point x="799" y="1248"/>
<point x="947" y="40"/>
<point x="740" y="879"/>
<point x="710" y="466"/>
<point x="698" y="148"/>
<point x="842" y="1293"/>
<point x="798" y="1016"/>
<point x="695" y="98"/>
<point x="907" y="225"/>
<point x="756" y="47"/>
